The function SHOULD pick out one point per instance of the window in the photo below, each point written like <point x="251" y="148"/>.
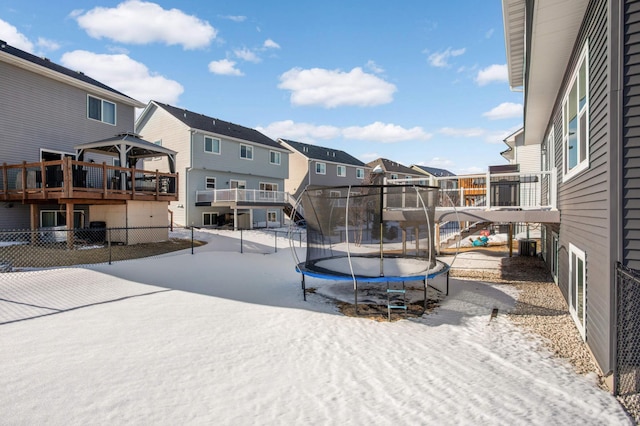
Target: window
<point x="51" y="218"/>
<point x="360" y="173"/>
<point x="394" y="176"/>
<point x="321" y="169"/>
<point x="209" y="219"/>
<point x="246" y="152"/>
<point x="268" y="190"/>
<point x="159" y="143"/>
<point x="101" y="110"/>
<point x="237" y="184"/>
<point x="211" y="145"/>
<point x="342" y="171"/>
<point x="578" y="287"/>
<point x="274" y="157"/>
<point x="272" y="216"/>
<point x="575" y="120"/>
<point x="210" y="182"/>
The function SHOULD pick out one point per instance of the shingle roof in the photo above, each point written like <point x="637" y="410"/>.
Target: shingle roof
<point x="434" y="171"/>
<point x="46" y="63"/>
<point x="392" y="166"/>
<point x="322" y="153"/>
<point x="217" y="126"/>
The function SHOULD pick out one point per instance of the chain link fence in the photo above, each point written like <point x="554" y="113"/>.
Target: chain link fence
<point x="26" y="249"/>
<point x="627" y="381"/>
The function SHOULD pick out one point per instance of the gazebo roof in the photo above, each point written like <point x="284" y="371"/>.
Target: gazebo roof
<point x="129" y="146"/>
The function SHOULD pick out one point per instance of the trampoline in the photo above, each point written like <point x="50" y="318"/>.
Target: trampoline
<point x="371" y="233"/>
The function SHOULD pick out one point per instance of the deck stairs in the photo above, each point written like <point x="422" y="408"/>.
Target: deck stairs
<point x="464" y="233"/>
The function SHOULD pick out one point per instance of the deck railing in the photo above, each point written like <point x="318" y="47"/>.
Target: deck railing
<point x="68" y="178"/>
<point x="241" y="196"/>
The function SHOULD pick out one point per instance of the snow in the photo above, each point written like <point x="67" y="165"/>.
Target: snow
<point x="220" y="337"/>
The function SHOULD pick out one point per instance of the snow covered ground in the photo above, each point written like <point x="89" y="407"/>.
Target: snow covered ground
<point x="220" y="337"/>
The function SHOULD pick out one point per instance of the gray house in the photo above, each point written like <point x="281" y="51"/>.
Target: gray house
<point x="47" y="112"/>
<point x="577" y="62"/>
<point x="394" y="170"/>
<point x="230" y="174"/>
<point x="322" y="166"/>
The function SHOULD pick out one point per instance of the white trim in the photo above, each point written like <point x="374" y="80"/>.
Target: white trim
<point x="211" y="214"/>
<point x="580" y="318"/>
<point x="249" y="148"/>
<point x="278" y="154"/>
<point x="580" y="113"/>
<point x="206" y="182"/>
<point x="555" y="250"/>
<point x="102" y="102"/>
<point x="344" y="170"/>
<point x="324" y="167"/>
<point x="360" y="169"/>
<point x="204" y="145"/>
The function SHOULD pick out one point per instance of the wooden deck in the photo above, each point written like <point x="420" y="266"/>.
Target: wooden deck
<point x="71" y="181"/>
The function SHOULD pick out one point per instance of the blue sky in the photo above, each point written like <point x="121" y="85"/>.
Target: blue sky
<point x="417" y="82"/>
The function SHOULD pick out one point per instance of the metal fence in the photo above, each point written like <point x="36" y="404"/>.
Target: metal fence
<point x="627" y="374"/>
<point x="25" y="249"/>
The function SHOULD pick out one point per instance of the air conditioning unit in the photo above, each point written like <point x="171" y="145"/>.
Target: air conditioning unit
<point x="527" y="247"/>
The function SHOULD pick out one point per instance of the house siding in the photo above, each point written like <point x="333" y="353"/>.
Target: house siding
<point x="41" y="113"/>
<point x="584" y="200"/>
<point x="631" y="136"/>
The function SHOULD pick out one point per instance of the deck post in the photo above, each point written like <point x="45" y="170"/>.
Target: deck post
<point x="70" y="230"/>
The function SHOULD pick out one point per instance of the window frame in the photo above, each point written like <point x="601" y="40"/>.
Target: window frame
<point x="323" y="166"/>
<point x="275" y="216"/>
<point x="207" y="181"/>
<point x="211" y="216"/>
<point x="102" y="103"/>
<point x="581" y="127"/>
<point x="344" y="170"/>
<point x="277" y="154"/>
<point x="578" y="296"/>
<point x="248" y="149"/>
<point x="212" y="151"/>
<point x="359" y="173"/>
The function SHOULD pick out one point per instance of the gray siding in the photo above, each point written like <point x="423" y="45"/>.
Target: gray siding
<point x="36" y="113"/>
<point x="631" y="136"/>
<point x="584" y="200"/>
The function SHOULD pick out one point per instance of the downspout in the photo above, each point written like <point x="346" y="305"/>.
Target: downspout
<point x="186" y="179"/>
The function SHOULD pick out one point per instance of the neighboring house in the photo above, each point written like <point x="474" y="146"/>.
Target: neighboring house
<point x="46" y="112"/>
<point x="393" y="170"/>
<point x="231" y="174"/>
<point x="318" y="165"/>
<point x="577" y="63"/>
<point x="523" y="159"/>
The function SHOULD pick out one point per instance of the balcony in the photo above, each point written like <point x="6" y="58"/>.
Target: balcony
<point x="240" y="197"/>
<point x="68" y="180"/>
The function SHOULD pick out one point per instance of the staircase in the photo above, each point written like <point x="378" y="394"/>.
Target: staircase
<point x="294" y="215"/>
<point x="464" y="233"/>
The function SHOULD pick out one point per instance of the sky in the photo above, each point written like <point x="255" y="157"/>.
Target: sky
<point x="416" y="82"/>
<point x="160" y="341"/>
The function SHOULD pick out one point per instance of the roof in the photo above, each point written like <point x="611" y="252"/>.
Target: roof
<point x="434" y="171"/>
<point x="140" y="147"/>
<point x="539" y="38"/>
<point x="392" y="166"/>
<point x="44" y="66"/>
<point x="220" y="127"/>
<point x="322" y="153"/>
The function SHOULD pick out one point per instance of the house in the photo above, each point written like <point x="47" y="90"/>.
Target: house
<point x="321" y="166"/>
<point x="576" y="61"/>
<point x="48" y="112"/>
<point x="393" y="170"/>
<point x="231" y="174"/>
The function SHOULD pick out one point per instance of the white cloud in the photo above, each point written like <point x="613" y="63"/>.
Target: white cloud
<point x="369" y="156"/>
<point x="47" y="44"/>
<point x="270" y="44"/>
<point x="140" y="22"/>
<point x="473" y="132"/>
<point x="235" y="18"/>
<point x="489" y="33"/>
<point x="384" y="132"/>
<point x="224" y="67"/>
<point x="498" y="136"/>
<point x="333" y="88"/>
<point x="504" y="110"/>
<point x="441" y="163"/>
<point x="12" y="36"/>
<point x="302" y="132"/>
<point x="493" y="73"/>
<point x="441" y="59"/>
<point x="373" y="67"/>
<point x="124" y="74"/>
<point x="247" y="55"/>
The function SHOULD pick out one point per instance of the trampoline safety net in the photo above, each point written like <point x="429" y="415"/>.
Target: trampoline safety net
<point x="370" y="230"/>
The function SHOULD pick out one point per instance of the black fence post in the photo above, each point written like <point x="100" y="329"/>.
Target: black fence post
<point x="241" y="241"/>
<point x="275" y="233"/>
<point x="300" y="238"/>
<point x="192" y="240"/>
<point x="109" y="243"/>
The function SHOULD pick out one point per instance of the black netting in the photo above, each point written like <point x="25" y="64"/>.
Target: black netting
<point x="628" y="332"/>
<point x="378" y="230"/>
